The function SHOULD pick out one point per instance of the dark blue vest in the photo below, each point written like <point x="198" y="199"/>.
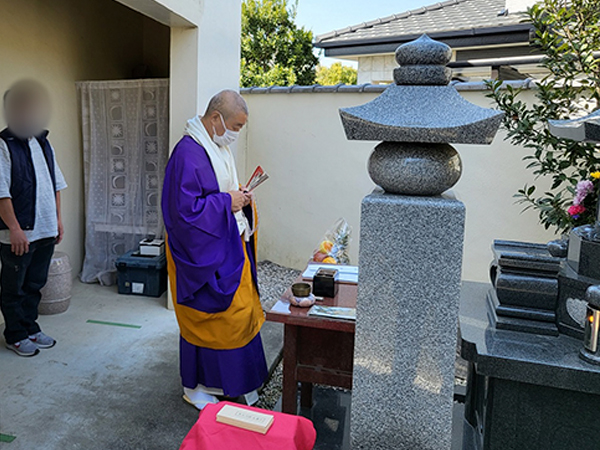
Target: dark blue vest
<point x="23" y="178"/>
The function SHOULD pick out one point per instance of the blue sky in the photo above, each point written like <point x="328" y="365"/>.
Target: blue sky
<point x="323" y="16"/>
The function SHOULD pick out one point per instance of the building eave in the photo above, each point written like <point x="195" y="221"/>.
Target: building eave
<point x="474" y="37"/>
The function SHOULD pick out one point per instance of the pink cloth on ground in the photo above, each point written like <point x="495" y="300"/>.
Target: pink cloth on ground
<point x="287" y="432"/>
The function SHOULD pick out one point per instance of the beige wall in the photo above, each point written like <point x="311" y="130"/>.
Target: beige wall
<point x="318" y="176"/>
<point x="62" y="41"/>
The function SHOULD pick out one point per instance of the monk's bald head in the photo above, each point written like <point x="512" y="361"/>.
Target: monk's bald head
<point x="226" y="110"/>
<point x="229" y="103"/>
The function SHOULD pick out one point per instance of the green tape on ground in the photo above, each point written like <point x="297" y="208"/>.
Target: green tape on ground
<point x="114" y="324"/>
<point x="7" y="438"/>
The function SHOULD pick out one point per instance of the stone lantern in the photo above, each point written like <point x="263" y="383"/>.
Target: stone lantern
<point x="411" y="251"/>
<point x="417" y="118"/>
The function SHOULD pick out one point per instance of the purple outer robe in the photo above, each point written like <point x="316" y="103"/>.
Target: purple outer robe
<point x="207" y="250"/>
<point x="203" y="236"/>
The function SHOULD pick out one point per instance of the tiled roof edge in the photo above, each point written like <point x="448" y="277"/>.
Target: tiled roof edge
<point x="387" y="19"/>
<point x="375" y="88"/>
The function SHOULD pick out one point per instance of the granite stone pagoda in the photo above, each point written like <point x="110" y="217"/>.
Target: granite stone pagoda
<point x="411" y="252"/>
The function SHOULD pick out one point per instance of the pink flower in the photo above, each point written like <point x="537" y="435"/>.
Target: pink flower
<point x="575" y="210"/>
<point x="582" y="190"/>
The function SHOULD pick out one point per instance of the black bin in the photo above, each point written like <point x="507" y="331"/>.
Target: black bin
<point x="142" y="275"/>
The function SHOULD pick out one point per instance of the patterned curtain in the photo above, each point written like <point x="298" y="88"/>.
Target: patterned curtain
<point x="125" y="127"/>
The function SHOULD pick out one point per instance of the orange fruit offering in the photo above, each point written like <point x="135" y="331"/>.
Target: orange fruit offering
<point x="325" y="246"/>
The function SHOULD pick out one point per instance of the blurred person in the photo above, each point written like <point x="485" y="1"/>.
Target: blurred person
<point x="30" y="219"/>
<point x="211" y="252"/>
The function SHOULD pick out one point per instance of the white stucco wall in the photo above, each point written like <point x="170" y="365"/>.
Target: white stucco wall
<point x="318" y="176"/>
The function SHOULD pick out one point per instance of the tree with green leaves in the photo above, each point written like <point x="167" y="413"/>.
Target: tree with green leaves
<point x="568" y="34"/>
<point x="275" y="51"/>
<point x="336" y="74"/>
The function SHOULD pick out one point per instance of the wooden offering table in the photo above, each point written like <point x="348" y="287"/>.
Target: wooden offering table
<point x="316" y="349"/>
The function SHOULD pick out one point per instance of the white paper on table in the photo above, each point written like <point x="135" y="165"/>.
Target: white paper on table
<point x="347" y="274"/>
<point x="281" y="307"/>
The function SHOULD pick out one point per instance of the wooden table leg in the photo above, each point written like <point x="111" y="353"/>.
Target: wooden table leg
<point x="306" y="395"/>
<point x="290" y="384"/>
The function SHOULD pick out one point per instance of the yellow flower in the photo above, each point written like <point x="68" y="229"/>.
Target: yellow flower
<point x="595" y="175"/>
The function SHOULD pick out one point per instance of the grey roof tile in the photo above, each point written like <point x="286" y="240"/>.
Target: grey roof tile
<point x="302" y="89"/>
<point x="377" y="88"/>
<point x="447" y="16"/>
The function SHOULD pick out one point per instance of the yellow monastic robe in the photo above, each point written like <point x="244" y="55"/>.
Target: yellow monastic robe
<point x="230" y="329"/>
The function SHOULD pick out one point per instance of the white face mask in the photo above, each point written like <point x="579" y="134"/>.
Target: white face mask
<point x="227" y="138"/>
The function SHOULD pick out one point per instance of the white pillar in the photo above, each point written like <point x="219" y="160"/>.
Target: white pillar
<point x="204" y="60"/>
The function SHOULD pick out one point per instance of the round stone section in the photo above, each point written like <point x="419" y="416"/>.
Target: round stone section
<point x="592" y="295"/>
<point x="558" y="248"/>
<point x="422" y="75"/>
<point x="415" y="169"/>
<point x="423" y="51"/>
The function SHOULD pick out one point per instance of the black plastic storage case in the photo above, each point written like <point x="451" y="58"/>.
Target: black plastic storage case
<point x="142" y="275"/>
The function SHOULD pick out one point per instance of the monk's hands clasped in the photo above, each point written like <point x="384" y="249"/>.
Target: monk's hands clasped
<point x="239" y="199"/>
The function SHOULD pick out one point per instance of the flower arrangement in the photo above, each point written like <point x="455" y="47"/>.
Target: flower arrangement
<point x="333" y="248"/>
<point x="583" y="209"/>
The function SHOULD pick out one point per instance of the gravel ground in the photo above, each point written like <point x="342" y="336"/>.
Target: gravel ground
<point x="273" y="280"/>
<point x="271" y="391"/>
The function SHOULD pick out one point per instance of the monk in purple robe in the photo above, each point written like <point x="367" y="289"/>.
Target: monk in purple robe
<point x="211" y="252"/>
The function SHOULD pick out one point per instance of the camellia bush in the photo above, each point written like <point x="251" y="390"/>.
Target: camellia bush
<point x="568" y="34"/>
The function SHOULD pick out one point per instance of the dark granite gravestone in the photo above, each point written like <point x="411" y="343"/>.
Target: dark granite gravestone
<point x="525" y="391"/>
<point x="534" y="377"/>
<point x="525" y="288"/>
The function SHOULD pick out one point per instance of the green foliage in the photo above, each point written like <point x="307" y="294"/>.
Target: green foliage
<point x="275" y="51"/>
<point x="336" y="74"/>
<point x="568" y="33"/>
